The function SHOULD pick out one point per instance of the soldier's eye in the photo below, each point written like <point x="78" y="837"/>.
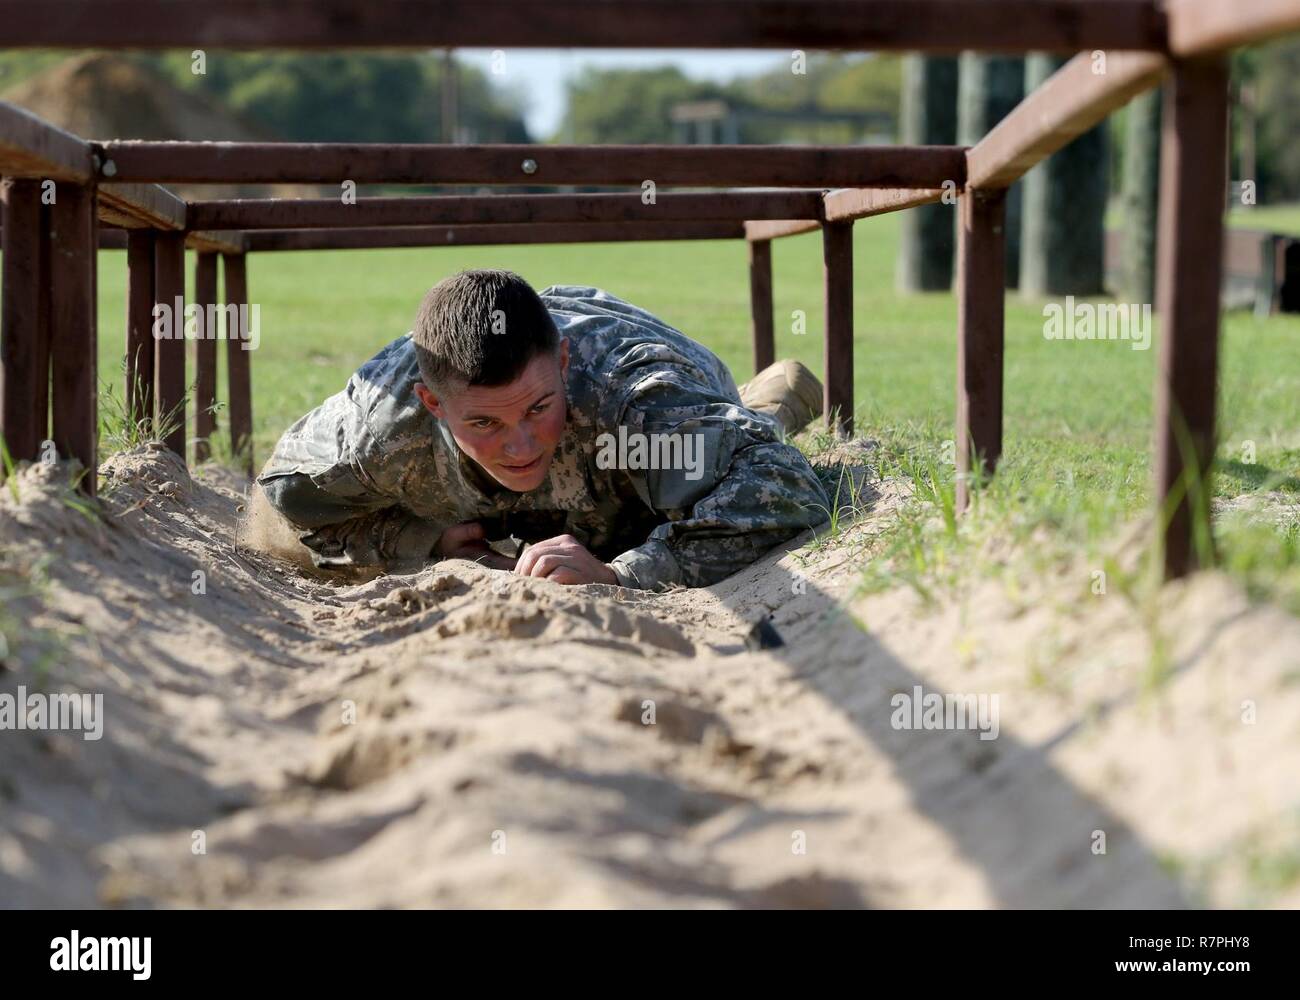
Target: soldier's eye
<point x="541" y="407"/>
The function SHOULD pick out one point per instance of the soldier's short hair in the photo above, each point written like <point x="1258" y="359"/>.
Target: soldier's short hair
<point x="481" y="327"/>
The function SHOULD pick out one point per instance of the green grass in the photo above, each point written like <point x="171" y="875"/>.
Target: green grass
<point x="1274" y="218"/>
<point x="1078" y="413"/>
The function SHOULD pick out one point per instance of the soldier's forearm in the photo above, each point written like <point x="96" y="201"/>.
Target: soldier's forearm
<point x="380" y="538"/>
<point x="304" y="504"/>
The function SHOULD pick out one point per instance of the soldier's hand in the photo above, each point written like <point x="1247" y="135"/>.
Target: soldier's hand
<point x="467" y="541"/>
<point x="566" y="560"/>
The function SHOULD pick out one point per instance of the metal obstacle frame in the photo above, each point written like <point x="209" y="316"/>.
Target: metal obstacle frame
<point x="48" y="334"/>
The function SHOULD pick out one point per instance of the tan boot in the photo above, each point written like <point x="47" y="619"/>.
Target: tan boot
<point x="787" y="391"/>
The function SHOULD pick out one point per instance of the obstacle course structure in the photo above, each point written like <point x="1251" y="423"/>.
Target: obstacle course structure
<point x="109" y="193"/>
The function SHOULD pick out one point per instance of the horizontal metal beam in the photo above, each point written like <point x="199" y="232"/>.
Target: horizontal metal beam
<point x="33" y="148"/>
<point x="933" y="25"/>
<point x="1074" y="99"/>
<point x="218" y="242"/>
<point x="113" y="237"/>
<point x="1198" y="27"/>
<point x="140" y="206"/>
<point x="770" y="229"/>
<point x="289" y="213"/>
<point x="441" y="236"/>
<point x="844" y="205"/>
<point x="518" y="163"/>
<point x="855" y="203"/>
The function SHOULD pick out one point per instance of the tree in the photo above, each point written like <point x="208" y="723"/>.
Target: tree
<point x="1276" y="87"/>
<point x="1141" y="197"/>
<point x="1063" y="237"/>
<point x="628" y="106"/>
<point x="928" y="117"/>
<point x="348" y="97"/>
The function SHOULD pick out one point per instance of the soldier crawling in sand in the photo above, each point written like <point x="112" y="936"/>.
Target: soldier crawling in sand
<point x="567" y="435"/>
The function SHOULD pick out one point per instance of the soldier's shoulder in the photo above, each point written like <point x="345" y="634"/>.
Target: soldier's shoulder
<point x="608" y="334"/>
<point x="392" y="372"/>
<point x="383" y="391"/>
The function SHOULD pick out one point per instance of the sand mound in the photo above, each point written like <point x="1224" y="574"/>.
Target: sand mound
<point x="103" y="96"/>
<point x="460" y="736"/>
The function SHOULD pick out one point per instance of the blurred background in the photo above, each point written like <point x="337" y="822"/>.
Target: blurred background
<point x="1096" y="237"/>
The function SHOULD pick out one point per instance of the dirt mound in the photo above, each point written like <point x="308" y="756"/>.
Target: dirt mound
<point x="461" y="736"/>
<point x="102" y="96"/>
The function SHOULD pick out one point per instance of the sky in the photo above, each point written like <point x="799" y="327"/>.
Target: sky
<point x="540" y="74"/>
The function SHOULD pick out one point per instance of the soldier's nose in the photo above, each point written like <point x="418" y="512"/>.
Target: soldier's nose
<point x="520" y="445"/>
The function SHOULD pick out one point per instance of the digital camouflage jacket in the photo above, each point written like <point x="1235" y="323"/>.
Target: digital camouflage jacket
<point x="383" y="477"/>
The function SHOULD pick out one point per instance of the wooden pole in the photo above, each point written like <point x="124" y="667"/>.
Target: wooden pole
<point x="22" y="422"/>
<point x="837" y="259"/>
<point x="1189" y="252"/>
<point x="169" y="367"/>
<point x="205" y="356"/>
<point x="238" y="362"/>
<point x="760" y="302"/>
<point x="74" y="345"/>
<point x="46" y="310"/>
<point x="140" y="352"/>
<point x="981" y="280"/>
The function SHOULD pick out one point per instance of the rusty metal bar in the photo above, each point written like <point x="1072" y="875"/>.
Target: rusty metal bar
<point x="532" y="164"/>
<point x="981" y="265"/>
<point x="1193" y="177"/>
<point x="930" y="25"/>
<point x="487" y="235"/>
<point x="837" y="259"/>
<point x="205" y="356"/>
<point x="140" y="344"/>
<point x="1074" y="99"/>
<point x="760" y="302"/>
<point x="332" y="213"/>
<point x="22" y="419"/>
<point x="74" y="345"/>
<point x="238" y="367"/>
<point x="169" y="339"/>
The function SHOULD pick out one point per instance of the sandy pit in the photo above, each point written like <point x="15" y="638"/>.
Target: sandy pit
<point x="464" y="737"/>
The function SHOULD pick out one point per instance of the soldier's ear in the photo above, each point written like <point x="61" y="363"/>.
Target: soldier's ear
<point x="564" y="357"/>
<point x="429" y="400"/>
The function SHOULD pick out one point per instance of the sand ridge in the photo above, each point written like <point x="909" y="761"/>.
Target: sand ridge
<point x="458" y="736"/>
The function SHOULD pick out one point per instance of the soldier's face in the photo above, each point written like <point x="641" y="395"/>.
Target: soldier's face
<point x="511" y="430"/>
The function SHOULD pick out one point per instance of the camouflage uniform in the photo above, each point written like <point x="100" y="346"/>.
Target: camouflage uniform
<point x="370" y="477"/>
